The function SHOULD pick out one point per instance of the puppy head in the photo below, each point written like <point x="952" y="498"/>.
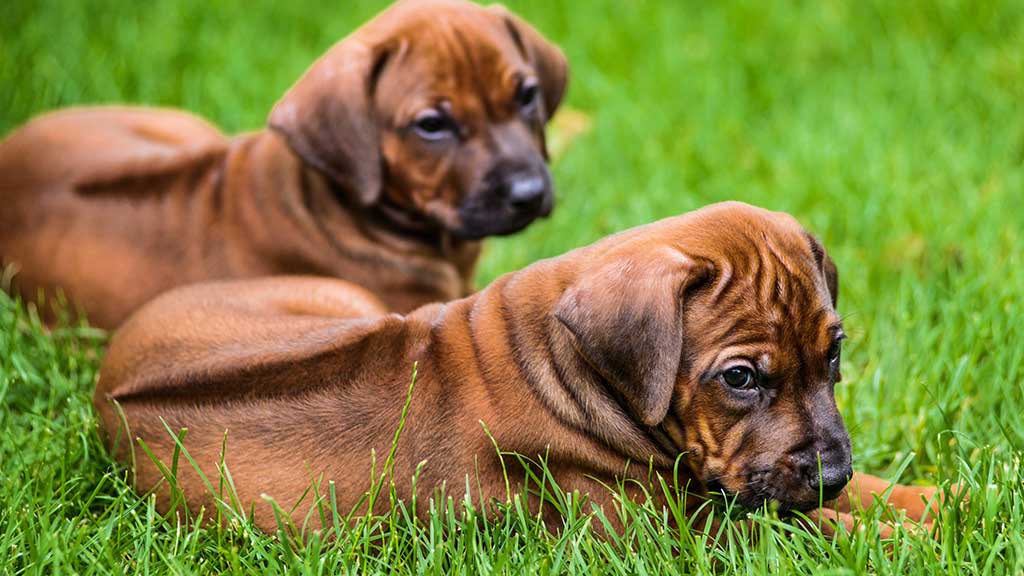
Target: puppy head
<point x="434" y="111"/>
<point x="724" y="321"/>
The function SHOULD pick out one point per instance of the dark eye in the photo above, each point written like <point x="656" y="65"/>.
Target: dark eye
<point x="835" y="351"/>
<point x="433" y="125"/>
<point x="526" y="95"/>
<point x="740" y="377"/>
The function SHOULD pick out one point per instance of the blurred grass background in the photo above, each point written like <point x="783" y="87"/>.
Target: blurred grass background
<point x="893" y="130"/>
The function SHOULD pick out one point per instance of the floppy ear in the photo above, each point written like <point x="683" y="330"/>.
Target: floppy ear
<point x="327" y="117"/>
<point x="547" y="59"/>
<point x="827" y="267"/>
<point x="626" y="320"/>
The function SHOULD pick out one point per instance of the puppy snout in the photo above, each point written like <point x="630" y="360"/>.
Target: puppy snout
<point x="526" y="191"/>
<point x="828" y="471"/>
<point x="508" y="198"/>
<point x="829" y="481"/>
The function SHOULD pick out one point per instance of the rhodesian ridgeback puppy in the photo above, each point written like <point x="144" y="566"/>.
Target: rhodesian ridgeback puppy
<point x="385" y="165"/>
<point x="710" y="337"/>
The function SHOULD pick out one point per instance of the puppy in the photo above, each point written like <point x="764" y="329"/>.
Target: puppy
<point x="709" y="338"/>
<point x="385" y="164"/>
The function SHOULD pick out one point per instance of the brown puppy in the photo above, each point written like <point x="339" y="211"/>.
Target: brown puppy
<point x="408" y="142"/>
<point x="711" y="335"/>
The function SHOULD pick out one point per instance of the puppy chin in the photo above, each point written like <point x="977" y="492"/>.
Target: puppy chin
<point x="780" y="505"/>
<point x="756" y="497"/>
<point x="478" y="224"/>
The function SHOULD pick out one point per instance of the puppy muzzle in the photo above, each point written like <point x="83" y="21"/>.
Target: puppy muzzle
<point x="507" y="202"/>
<point x="801" y="481"/>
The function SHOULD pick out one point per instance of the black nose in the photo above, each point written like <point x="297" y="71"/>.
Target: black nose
<point x="526" y="191"/>
<point x="830" y="480"/>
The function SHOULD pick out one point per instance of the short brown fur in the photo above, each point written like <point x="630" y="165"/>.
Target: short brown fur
<point x="115" y="205"/>
<point x="607" y="355"/>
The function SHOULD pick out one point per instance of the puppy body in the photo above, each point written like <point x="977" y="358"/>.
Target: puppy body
<point x="384" y="165"/>
<point x="165" y="199"/>
<point x="305" y="390"/>
<point x="607" y="361"/>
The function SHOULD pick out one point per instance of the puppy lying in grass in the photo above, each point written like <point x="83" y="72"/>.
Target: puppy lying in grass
<point x="387" y="164"/>
<point x="705" y="346"/>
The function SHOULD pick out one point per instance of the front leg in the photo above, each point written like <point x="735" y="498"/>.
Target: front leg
<point x="863" y="489"/>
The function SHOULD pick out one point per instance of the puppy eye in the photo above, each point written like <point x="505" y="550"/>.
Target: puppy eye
<point x="740" y="378"/>
<point x="835" y="351"/>
<point x="433" y="125"/>
<point x="526" y="95"/>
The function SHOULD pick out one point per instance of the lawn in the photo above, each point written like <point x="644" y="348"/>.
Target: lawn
<point x="893" y="130"/>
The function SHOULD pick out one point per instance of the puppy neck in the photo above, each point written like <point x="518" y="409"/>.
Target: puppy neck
<point x="391" y="222"/>
<point x="526" y="364"/>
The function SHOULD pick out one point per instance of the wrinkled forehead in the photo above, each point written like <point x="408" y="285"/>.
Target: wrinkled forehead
<point x="450" y="52"/>
<point x="769" y="277"/>
<point x="776" y="269"/>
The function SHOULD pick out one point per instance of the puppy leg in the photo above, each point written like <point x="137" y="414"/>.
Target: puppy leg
<point x="829" y="521"/>
<point x="915" y="501"/>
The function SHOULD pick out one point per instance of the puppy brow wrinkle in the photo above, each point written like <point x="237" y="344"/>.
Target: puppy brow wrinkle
<point x="377" y="70"/>
<point x="723" y="281"/>
<point x="471" y="57"/>
<point x="516" y="37"/>
<point x="816" y="249"/>
<point x="774" y="251"/>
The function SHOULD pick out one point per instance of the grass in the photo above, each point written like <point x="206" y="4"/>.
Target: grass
<point x="891" y="129"/>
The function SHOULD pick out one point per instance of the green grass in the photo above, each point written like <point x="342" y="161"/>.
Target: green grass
<point x="891" y="129"/>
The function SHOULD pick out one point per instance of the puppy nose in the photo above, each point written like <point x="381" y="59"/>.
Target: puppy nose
<point x="829" y="481"/>
<point x="524" y="191"/>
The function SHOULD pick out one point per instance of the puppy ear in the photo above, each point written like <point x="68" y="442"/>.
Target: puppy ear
<point x="626" y="320"/>
<point x="327" y="117"/>
<point x="827" y="267"/>
<point x="546" y="58"/>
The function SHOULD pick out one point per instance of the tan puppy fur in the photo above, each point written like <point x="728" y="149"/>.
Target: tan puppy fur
<point x="402" y="147"/>
<point x="621" y="352"/>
